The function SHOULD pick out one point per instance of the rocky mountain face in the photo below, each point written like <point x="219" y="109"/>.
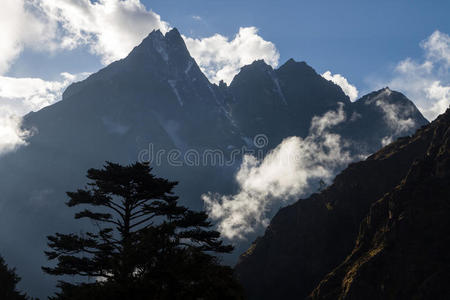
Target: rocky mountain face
<point x="157" y="105"/>
<point x="281" y="103"/>
<point x="380" y="231"/>
<point x="402" y="248"/>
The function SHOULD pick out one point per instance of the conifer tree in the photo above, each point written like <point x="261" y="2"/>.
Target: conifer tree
<point x="8" y="282"/>
<point x="144" y="246"/>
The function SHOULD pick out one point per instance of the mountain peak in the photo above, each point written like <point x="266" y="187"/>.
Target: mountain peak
<point x="166" y="45"/>
<point x="290" y="61"/>
<point x="155" y="33"/>
<point x="385" y="94"/>
<point x="165" y="53"/>
<point x="173" y="33"/>
<point x="257" y="69"/>
<point x="295" y="66"/>
<point x="258" y="64"/>
<point x="386" y="91"/>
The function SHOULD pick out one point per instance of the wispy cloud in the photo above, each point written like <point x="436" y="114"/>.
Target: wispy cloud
<point x="350" y="90"/>
<point x="284" y="175"/>
<point x="396" y="116"/>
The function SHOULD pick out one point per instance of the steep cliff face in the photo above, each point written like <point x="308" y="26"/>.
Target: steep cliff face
<point x="403" y="247"/>
<point x="310" y="238"/>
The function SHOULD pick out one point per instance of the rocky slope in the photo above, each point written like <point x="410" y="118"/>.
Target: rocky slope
<point x="402" y="249"/>
<point x="310" y="238"/>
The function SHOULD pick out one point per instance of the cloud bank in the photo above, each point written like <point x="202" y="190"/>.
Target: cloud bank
<point x="285" y="174"/>
<point x="350" y="90"/>
<point x="221" y="58"/>
<point x="426" y="82"/>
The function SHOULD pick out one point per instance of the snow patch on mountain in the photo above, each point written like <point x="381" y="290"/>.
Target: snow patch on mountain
<point x="115" y="127"/>
<point x="278" y="87"/>
<point x="173" y="84"/>
<point x="159" y="44"/>
<point x="189" y="66"/>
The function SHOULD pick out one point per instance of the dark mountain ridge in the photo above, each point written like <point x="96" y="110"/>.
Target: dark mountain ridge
<point x="402" y="248"/>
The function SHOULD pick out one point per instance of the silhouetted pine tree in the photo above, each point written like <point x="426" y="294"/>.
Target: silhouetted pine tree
<point x="146" y="246"/>
<point x="8" y="282"/>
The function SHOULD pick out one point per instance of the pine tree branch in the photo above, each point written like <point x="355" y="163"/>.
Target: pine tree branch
<point x="142" y="221"/>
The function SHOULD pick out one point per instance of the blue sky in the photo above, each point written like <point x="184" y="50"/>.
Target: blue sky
<point x="47" y="44"/>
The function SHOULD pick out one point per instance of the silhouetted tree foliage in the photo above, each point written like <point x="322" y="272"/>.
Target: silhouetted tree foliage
<point x="8" y="282"/>
<point x="145" y="245"/>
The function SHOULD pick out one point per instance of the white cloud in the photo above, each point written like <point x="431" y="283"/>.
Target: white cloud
<point x="197" y="18"/>
<point x="221" y="58"/>
<point x="11" y="135"/>
<point x="20" y="28"/>
<point x="111" y="28"/>
<point x="437" y="47"/>
<point x="347" y="88"/>
<point x="31" y="94"/>
<point x="427" y="83"/>
<point x="18" y="96"/>
<point x="285" y="174"/>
